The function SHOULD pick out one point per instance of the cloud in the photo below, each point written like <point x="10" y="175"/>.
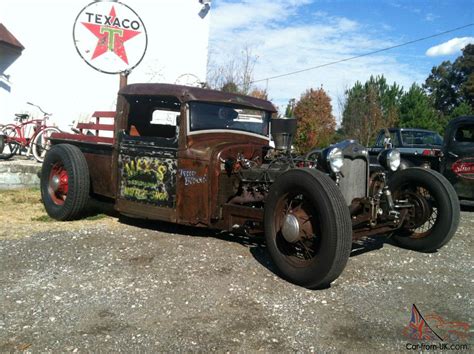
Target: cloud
<point x="450" y="47"/>
<point x="234" y="16"/>
<point x="430" y="17"/>
<point x="290" y="36"/>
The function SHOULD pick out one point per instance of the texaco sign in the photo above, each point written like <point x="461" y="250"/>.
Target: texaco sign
<point x="110" y="37"/>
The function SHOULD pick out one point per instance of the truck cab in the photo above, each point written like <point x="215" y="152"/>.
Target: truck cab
<point x="165" y="160"/>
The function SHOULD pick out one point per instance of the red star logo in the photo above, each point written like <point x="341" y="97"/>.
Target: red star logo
<point x="111" y="38"/>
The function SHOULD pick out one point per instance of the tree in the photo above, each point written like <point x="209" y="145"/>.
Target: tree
<point x="235" y="75"/>
<point x="230" y="87"/>
<point x="290" y="107"/>
<point x="452" y="84"/>
<point x="259" y="93"/>
<point x="388" y="97"/>
<point x="316" y="123"/>
<point x="464" y="66"/>
<point x="463" y="109"/>
<point x="443" y="87"/>
<point x="417" y="111"/>
<point x="369" y="107"/>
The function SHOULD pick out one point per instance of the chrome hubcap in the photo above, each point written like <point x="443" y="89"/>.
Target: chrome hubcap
<point x="291" y="228"/>
<point x="55" y="183"/>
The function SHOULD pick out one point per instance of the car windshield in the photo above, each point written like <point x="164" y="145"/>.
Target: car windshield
<point x="415" y="137"/>
<point x="211" y="116"/>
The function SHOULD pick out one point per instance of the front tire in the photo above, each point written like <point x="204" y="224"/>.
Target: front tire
<point x="435" y="217"/>
<point x="65" y="182"/>
<point x="307" y="228"/>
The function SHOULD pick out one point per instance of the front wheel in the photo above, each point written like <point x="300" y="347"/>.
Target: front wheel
<point x="307" y="228"/>
<point x="434" y="217"/>
<point x="42" y="143"/>
<point x="65" y="182"/>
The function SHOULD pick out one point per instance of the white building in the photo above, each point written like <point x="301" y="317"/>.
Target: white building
<point x="51" y="74"/>
<point x="10" y="50"/>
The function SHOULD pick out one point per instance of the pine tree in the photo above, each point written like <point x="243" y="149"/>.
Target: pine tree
<point x="370" y="107"/>
<point x="417" y="111"/>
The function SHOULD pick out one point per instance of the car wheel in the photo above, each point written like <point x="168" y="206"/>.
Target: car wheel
<point x="65" y="182"/>
<point x="434" y="217"/>
<point x="307" y="228"/>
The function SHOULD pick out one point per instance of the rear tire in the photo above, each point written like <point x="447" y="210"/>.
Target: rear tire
<point x="65" y="182"/>
<point x="437" y="211"/>
<point x="324" y="236"/>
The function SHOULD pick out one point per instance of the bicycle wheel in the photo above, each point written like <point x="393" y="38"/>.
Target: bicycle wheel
<point x="41" y="143"/>
<point x="8" y="145"/>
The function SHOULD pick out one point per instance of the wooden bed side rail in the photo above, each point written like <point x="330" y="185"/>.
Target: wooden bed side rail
<point x="95" y="123"/>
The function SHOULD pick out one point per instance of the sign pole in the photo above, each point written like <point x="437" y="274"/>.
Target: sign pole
<point x="123" y="79"/>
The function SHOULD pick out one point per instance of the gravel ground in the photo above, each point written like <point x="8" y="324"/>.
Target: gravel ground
<point x="122" y="285"/>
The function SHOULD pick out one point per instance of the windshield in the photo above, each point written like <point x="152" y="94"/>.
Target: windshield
<point x="414" y="137"/>
<point x="211" y="116"/>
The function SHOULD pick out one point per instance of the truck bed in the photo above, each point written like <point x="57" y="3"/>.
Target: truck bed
<point x="97" y="149"/>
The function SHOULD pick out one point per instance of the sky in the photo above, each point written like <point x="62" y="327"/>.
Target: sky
<point x="289" y="35"/>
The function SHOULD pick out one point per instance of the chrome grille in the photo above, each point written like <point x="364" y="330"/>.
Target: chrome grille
<point x="353" y="182"/>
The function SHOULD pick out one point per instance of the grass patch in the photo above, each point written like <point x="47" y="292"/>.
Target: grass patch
<point x="42" y="218"/>
<point x="21" y="196"/>
<point x="96" y="217"/>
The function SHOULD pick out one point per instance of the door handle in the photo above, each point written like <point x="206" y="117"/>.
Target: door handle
<point x="453" y="154"/>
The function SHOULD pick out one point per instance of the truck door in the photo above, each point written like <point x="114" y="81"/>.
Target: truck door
<point x="147" y="160"/>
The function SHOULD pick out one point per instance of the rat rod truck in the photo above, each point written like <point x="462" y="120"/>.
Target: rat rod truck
<point x="201" y="157"/>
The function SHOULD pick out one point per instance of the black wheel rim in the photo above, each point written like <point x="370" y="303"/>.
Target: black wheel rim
<point x="304" y="251"/>
<point x="422" y="218"/>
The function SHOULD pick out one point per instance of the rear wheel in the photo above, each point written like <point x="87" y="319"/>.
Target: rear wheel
<point x="434" y="218"/>
<point x="307" y="228"/>
<point x="64" y="182"/>
<point x="8" y="143"/>
<point x="42" y="143"/>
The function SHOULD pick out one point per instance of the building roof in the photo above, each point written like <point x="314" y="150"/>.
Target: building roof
<point x="7" y="38"/>
<point x="188" y="94"/>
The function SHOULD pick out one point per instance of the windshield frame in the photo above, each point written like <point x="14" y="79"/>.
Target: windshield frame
<point x="190" y="132"/>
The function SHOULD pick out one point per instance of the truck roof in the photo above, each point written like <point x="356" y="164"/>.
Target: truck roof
<point x="189" y="94"/>
<point x="461" y="119"/>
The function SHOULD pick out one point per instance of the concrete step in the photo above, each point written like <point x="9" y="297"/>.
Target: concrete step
<point x="19" y="172"/>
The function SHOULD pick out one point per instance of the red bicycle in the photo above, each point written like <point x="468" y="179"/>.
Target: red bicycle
<point x="30" y="135"/>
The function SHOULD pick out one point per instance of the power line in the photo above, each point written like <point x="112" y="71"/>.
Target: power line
<point x="364" y="55"/>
